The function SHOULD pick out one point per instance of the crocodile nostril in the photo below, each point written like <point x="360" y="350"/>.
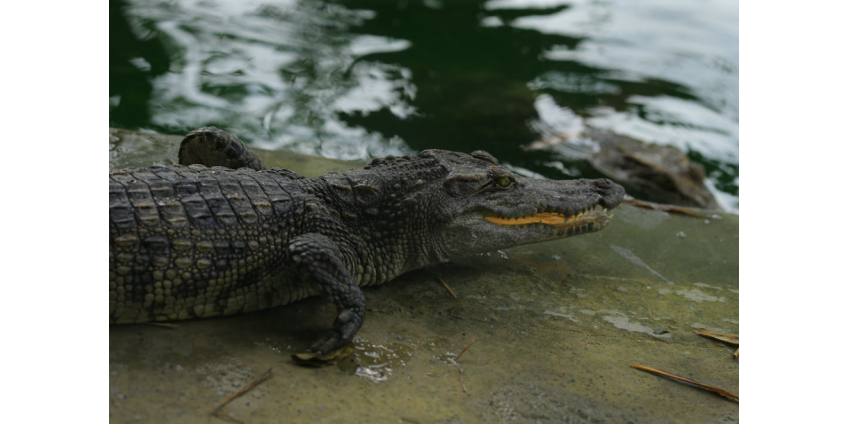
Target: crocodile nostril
<point x="604" y="183"/>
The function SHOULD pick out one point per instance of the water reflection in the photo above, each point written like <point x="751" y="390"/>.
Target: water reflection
<point x="362" y="78"/>
<point x="134" y="61"/>
<point x="274" y="73"/>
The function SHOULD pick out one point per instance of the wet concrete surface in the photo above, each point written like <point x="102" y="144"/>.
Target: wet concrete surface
<point x="555" y="328"/>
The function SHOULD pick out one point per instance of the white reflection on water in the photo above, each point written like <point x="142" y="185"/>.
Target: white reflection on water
<point x="282" y="74"/>
<point x="691" y="43"/>
<point x="275" y="72"/>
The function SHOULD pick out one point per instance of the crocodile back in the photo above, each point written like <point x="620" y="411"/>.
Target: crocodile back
<point x="189" y="242"/>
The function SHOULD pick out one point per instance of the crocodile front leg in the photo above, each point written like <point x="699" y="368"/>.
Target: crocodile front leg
<point x="317" y="260"/>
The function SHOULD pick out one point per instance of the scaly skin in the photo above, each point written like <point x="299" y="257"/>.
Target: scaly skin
<point x="193" y="241"/>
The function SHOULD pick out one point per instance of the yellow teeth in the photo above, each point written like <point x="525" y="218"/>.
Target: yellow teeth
<point x="554" y="219"/>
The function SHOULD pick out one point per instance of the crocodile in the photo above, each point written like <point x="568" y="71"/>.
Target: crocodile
<point x="221" y="234"/>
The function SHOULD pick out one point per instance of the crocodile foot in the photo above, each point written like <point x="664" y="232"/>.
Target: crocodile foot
<point x="318" y="260"/>
<point x="345" y="327"/>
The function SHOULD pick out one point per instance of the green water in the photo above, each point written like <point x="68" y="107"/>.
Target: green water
<point x="358" y="79"/>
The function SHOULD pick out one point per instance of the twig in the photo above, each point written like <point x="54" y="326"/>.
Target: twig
<point x="163" y="325"/>
<point x="665" y="208"/>
<point x="462" y="371"/>
<point x="724" y="337"/>
<point x="217" y="411"/>
<point x="225" y="417"/>
<point x="446" y="287"/>
<point x="466" y="348"/>
<point x="707" y="387"/>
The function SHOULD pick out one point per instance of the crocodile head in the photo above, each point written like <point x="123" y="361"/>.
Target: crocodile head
<point x="486" y="207"/>
<point x="441" y="205"/>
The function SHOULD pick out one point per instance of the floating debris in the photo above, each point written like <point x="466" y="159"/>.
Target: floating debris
<point x="678" y="378"/>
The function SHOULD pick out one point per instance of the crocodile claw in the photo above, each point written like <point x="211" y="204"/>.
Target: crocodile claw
<point x="345" y="327"/>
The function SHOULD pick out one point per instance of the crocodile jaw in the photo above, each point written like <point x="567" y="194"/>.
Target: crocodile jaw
<point x="591" y="220"/>
<point x="474" y="233"/>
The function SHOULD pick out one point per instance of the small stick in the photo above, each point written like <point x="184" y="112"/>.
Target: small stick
<point x="217" y="411"/>
<point x="724" y="337"/>
<point x="446" y="286"/>
<point x="461" y="373"/>
<point x="225" y="417"/>
<point x="163" y="325"/>
<point x="707" y="387"/>
<point x="665" y="208"/>
<point x="466" y="348"/>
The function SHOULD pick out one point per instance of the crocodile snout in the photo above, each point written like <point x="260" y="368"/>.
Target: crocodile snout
<point x="611" y="193"/>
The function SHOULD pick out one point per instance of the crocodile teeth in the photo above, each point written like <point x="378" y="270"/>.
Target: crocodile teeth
<point x="580" y="219"/>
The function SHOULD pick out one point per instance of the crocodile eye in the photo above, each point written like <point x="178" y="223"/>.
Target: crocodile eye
<point x="504" y="181"/>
